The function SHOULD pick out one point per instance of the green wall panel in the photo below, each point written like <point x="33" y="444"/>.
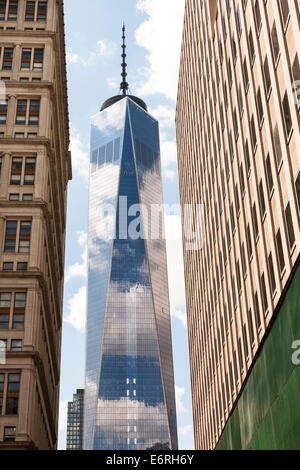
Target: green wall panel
<point x="267" y="415"/>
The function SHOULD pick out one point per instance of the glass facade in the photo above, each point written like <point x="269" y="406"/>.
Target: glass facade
<point x="130" y="395"/>
<point x="75" y="421"/>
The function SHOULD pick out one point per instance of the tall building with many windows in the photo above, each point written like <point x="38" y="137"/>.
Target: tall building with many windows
<point x="238" y="140"/>
<point x="129" y="393"/>
<point x="75" y="421"/>
<point x="35" y="169"/>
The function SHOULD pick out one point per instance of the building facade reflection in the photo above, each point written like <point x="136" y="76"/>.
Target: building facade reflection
<point x="130" y="394"/>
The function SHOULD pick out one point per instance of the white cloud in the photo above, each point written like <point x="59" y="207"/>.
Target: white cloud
<point x="184" y="430"/>
<point x="112" y="82"/>
<point x="169" y="174"/>
<point x="80" y="155"/>
<point x="160" y="35"/>
<point x="103" y="48"/>
<point x="180" y="315"/>
<point x="77" y="310"/>
<point x="165" y="115"/>
<point x="179" y="393"/>
<point x="79" y="269"/>
<point x="72" y="58"/>
<point x="168" y="153"/>
<point x="175" y="268"/>
<point x="82" y="238"/>
<point x="63" y="414"/>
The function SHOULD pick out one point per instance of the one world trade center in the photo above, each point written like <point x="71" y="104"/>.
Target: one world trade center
<point x="129" y="390"/>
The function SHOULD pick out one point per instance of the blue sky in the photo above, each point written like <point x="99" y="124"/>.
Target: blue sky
<point x="93" y="40"/>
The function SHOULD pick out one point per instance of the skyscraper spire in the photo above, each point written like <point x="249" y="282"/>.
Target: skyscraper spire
<point x="124" y="84"/>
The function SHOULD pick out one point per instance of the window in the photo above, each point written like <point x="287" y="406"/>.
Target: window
<point x="24" y="233"/>
<point x="267" y="77"/>
<point x="255" y="221"/>
<point x="251" y="47"/>
<point x="256" y="311"/>
<point x="234" y="48"/>
<point x="8" y="266"/>
<point x="8" y="10"/>
<point x="245" y="339"/>
<point x="16" y="345"/>
<point x="262" y="200"/>
<point x="287" y="115"/>
<point x="237" y="199"/>
<point x="16" y="171"/>
<point x="28" y="112"/>
<point x="7" y="58"/>
<point x="3" y="112"/>
<point x="29" y="173"/>
<point x="30" y="11"/>
<point x="2" y="13"/>
<point x="264" y="293"/>
<point x="275" y="44"/>
<point x="36" y="11"/>
<point x="42" y="11"/>
<point x="34" y="111"/>
<point x="26" y="59"/>
<point x="271" y="273"/>
<point x="2" y="379"/>
<point x="32" y="59"/>
<point x="290" y="228"/>
<point x="12" y="399"/>
<point x="247" y="157"/>
<point x="250" y="324"/>
<point x="22" y="266"/>
<point x="260" y="110"/>
<point x="249" y="242"/>
<point x="21" y="112"/>
<point x="14" y="197"/>
<point x="269" y="175"/>
<point x="239" y="19"/>
<point x="5" y="303"/>
<point x="235" y="125"/>
<point x="19" y="310"/>
<point x="245" y="73"/>
<point x="38" y="58"/>
<point x="244" y="265"/>
<point x="280" y="252"/>
<point x="24" y="238"/>
<point x="285" y="12"/>
<point x="253" y="134"/>
<point x="277" y="146"/>
<point x="12" y="10"/>
<point x="10" y="237"/>
<point x="257" y="15"/>
<point x="238" y="276"/>
<point x="9" y="433"/>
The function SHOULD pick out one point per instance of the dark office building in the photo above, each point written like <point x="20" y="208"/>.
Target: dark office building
<point x="75" y="421"/>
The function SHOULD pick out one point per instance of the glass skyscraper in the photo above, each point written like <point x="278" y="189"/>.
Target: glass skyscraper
<point x="129" y="395"/>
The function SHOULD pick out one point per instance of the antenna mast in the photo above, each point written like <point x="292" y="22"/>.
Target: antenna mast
<point x="124" y="84"/>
